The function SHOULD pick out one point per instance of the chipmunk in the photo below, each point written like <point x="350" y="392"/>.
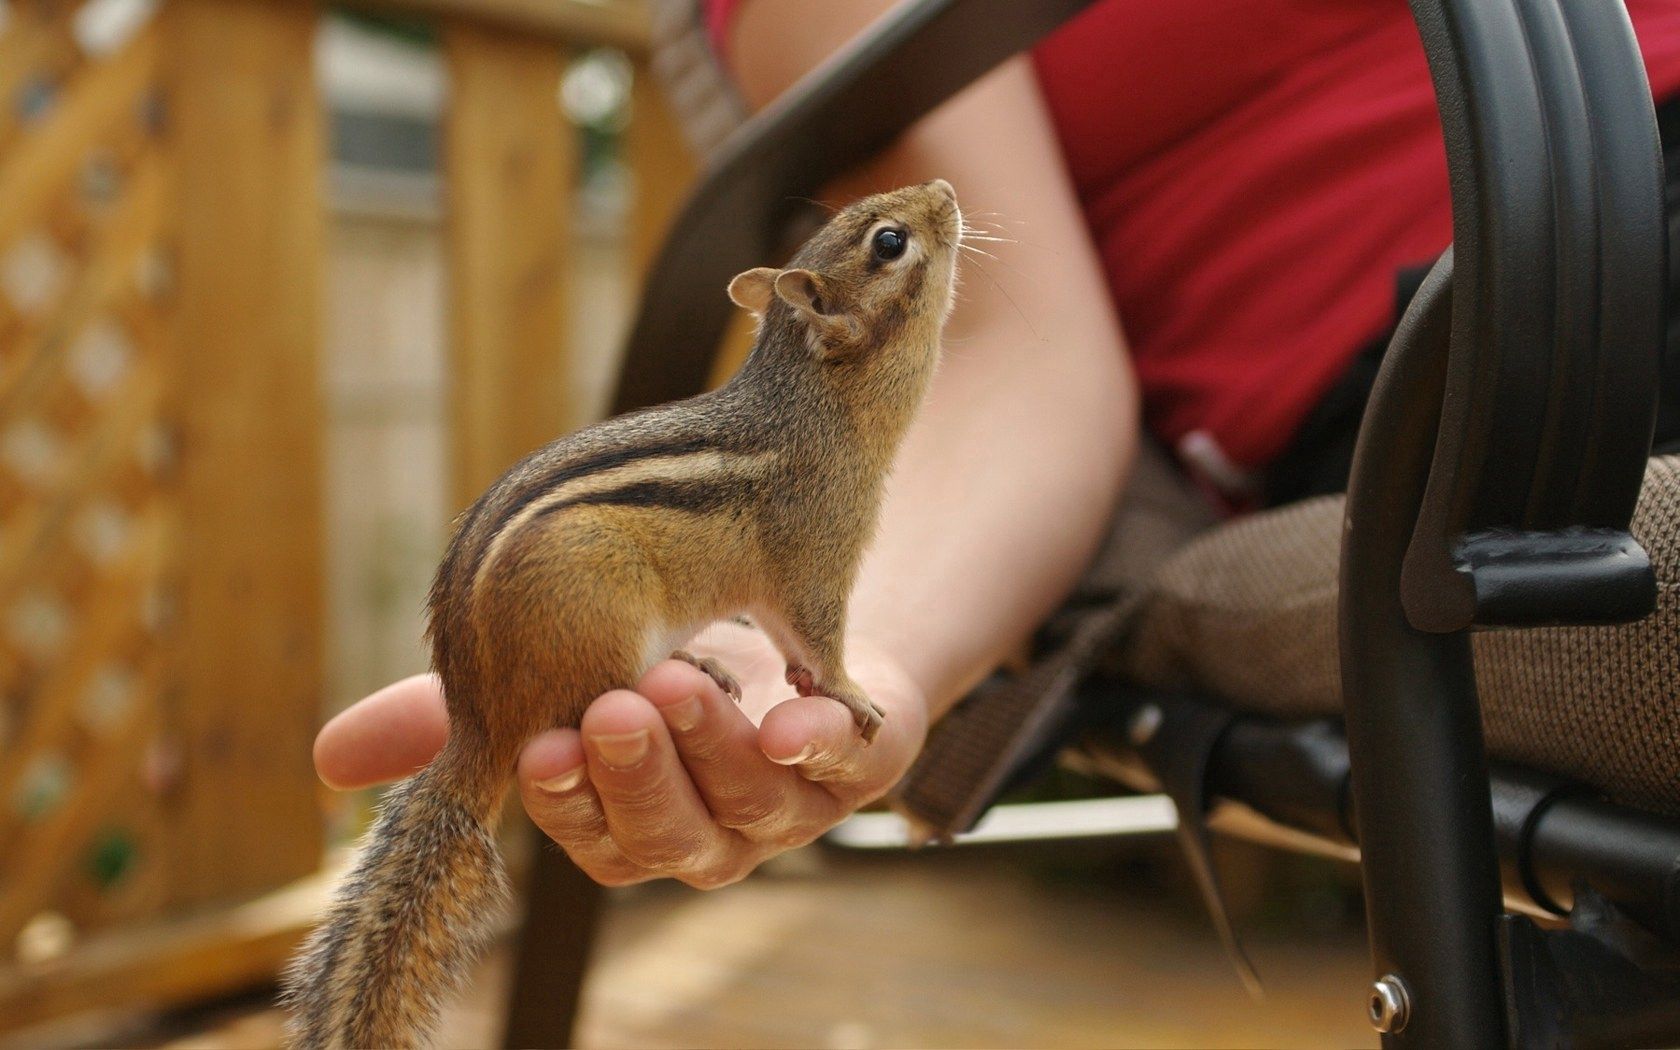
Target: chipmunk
<point x="597" y="555"/>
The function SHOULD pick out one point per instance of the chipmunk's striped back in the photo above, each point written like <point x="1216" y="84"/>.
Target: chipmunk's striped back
<point x="418" y="906"/>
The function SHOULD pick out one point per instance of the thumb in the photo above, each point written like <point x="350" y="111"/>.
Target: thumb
<point x="386" y="736"/>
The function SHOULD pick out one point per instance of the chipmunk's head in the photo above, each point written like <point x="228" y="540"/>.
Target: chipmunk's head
<point x="876" y="277"/>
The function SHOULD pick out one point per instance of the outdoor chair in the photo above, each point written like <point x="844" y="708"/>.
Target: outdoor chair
<point x="1323" y="676"/>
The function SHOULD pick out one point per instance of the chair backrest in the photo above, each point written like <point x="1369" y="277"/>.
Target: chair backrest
<point x="1558" y="298"/>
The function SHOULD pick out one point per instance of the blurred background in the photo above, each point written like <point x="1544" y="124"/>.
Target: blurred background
<point x="282" y="287"/>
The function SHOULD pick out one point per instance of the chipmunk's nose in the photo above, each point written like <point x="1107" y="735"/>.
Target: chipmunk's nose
<point x="942" y="187"/>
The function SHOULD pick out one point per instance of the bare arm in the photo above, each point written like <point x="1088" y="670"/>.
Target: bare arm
<point x="1005" y="484"/>
<point x="999" y="497"/>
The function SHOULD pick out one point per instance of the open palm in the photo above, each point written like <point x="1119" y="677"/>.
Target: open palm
<point x="671" y="779"/>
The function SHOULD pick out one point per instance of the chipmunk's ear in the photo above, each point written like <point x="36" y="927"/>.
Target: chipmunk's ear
<point x="752" y="289"/>
<point x="805" y="291"/>
<point x="831" y="331"/>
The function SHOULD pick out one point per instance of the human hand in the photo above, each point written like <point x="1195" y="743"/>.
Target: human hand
<point x="673" y="779"/>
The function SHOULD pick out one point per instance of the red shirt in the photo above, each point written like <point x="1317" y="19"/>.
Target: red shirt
<point x="1254" y="174"/>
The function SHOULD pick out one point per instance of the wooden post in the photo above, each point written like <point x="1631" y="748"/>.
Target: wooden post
<point x="509" y="158"/>
<point x="661" y="164"/>
<point x="246" y="130"/>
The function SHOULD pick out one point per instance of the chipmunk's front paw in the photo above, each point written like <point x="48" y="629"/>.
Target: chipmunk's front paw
<point x="714" y="670"/>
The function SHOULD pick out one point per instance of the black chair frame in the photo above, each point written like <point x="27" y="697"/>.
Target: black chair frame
<point x="1498" y="466"/>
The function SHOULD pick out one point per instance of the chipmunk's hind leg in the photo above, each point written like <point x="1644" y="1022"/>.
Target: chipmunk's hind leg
<point x="575" y="607"/>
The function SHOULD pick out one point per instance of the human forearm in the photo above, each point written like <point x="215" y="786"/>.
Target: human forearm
<point x="1007" y="479"/>
<point x="998" y="500"/>
<point x="1000" y="495"/>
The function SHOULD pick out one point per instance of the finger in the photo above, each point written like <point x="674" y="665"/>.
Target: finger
<point x="718" y="746"/>
<point x="817" y="736"/>
<point x="389" y="735"/>
<point x="652" y="809"/>
<point x="554" y="785"/>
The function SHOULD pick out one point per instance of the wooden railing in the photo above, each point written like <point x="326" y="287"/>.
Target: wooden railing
<point x="162" y="237"/>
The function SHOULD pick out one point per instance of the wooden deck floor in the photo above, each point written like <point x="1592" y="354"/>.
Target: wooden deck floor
<point x="1011" y="948"/>
<point x="956" y="951"/>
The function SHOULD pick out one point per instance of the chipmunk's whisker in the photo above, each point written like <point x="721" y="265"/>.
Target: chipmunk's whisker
<point x="830" y="208"/>
<point x="1001" y="262"/>
<point x="1001" y="290"/>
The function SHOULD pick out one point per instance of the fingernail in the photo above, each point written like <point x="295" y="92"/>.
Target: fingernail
<point x="564" y="782"/>
<point x="622" y="750"/>
<point x="684" y="715"/>
<point x="808" y="752"/>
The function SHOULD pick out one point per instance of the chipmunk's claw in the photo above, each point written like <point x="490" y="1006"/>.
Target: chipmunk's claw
<point x="864" y="712"/>
<point x="869" y="719"/>
<point x="714" y="670"/>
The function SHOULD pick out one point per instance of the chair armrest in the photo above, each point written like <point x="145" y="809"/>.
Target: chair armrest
<point x="1558" y="300"/>
<point x="838" y="115"/>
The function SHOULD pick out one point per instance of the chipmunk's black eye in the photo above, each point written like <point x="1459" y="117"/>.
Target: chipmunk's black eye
<point x="890" y="243"/>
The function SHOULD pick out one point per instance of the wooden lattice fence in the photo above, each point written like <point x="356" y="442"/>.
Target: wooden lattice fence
<point x="161" y="601"/>
<point x="158" y="522"/>
<point x="87" y="501"/>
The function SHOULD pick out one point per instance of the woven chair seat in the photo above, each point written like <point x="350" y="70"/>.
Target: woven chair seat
<point x="1246" y="613"/>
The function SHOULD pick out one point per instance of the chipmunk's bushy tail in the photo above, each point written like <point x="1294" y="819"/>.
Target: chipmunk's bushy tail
<point x="409" y="919"/>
